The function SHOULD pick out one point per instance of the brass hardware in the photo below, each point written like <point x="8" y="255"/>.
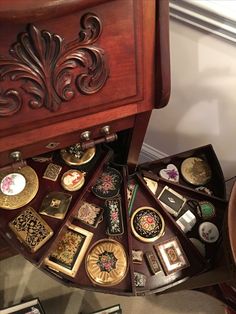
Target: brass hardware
<point x="85" y="136"/>
<point x="92" y="143"/>
<point x="52" y="145"/>
<point x="105" y="130"/>
<point x="16" y="156"/>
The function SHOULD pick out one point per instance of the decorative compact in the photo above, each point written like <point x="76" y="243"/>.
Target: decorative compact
<point x="75" y="156"/>
<point x="90" y="214"/>
<point x="72" y="180"/>
<point x="170" y="173"/>
<point x="56" y="204"/>
<point x="147" y="224"/>
<point x="108" y="184"/>
<point x="172" y="201"/>
<point x="114" y="216"/>
<point x="171" y="255"/>
<point x="106" y="263"/>
<point x="70" y="250"/>
<point x="31" y="229"/>
<point x="18" y="188"/>
<point x="196" y="171"/>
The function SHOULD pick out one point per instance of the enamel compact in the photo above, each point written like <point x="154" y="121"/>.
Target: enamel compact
<point x="18" y="187"/>
<point x="147" y="224"/>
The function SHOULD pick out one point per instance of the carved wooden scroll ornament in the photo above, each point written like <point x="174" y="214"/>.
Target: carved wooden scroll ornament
<point x="43" y="65"/>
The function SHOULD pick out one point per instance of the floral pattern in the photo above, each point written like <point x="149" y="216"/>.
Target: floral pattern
<point x="115" y="223"/>
<point x="89" y="213"/>
<point x="31" y="229"/>
<point x="107" y="261"/>
<point x="108" y="184"/>
<point x="147" y="223"/>
<point x="13" y="184"/>
<point x="68" y="249"/>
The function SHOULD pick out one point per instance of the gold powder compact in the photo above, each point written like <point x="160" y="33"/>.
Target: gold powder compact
<point x="196" y="171"/>
<point x="31" y="229"/>
<point x="72" y="180"/>
<point x="106" y="263"/>
<point x="75" y="156"/>
<point x="69" y="251"/>
<point x="56" y="204"/>
<point x="18" y="187"/>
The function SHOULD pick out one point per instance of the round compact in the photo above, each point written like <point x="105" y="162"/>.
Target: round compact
<point x="208" y="232"/>
<point x="72" y="180"/>
<point x="108" y="184"/>
<point x="207" y="210"/>
<point x="147" y="224"/>
<point x="196" y="171"/>
<point x="75" y="156"/>
<point x="18" y="188"/>
<point x="106" y="263"/>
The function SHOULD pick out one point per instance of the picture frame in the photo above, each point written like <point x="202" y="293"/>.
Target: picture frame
<point x="171" y="255"/>
<point x="172" y="201"/>
<point x="67" y="256"/>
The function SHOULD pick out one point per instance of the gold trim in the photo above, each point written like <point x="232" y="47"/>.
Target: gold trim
<point x="148" y="240"/>
<point x="104" y="278"/>
<point x="21" y="199"/>
<point x="78" y="185"/>
<point x="72" y="160"/>
<point x="72" y="272"/>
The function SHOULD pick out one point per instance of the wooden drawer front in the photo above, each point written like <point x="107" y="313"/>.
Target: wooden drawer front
<point x="29" y="143"/>
<point x="85" y="62"/>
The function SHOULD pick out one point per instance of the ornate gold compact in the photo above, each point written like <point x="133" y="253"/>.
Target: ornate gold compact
<point x="106" y="263"/>
<point x="18" y="188"/>
<point x="56" y="204"/>
<point x="72" y="180"/>
<point x="196" y="171"/>
<point x="70" y="250"/>
<point x="75" y="156"/>
<point x="52" y="172"/>
<point x="90" y="214"/>
<point x="147" y="224"/>
<point x="31" y="229"/>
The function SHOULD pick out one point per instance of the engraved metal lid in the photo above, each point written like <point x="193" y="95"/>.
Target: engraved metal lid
<point x="106" y="263"/>
<point x="18" y="188"/>
<point x="196" y="171"/>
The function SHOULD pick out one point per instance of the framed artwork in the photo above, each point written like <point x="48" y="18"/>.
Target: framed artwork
<point x="70" y="250"/>
<point x="29" y="307"/>
<point x="171" y="255"/>
<point x="172" y="201"/>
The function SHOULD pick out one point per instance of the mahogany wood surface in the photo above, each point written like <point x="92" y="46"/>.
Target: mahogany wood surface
<point x="69" y="66"/>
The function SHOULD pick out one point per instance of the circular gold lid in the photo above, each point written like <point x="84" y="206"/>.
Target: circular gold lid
<point x="106" y="263"/>
<point x="18" y="188"/>
<point x="72" y="158"/>
<point x="196" y="171"/>
<point x="72" y="180"/>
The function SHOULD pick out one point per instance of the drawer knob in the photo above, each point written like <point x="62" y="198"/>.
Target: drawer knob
<point x="105" y="130"/>
<point x="85" y="136"/>
<point x="16" y="156"/>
